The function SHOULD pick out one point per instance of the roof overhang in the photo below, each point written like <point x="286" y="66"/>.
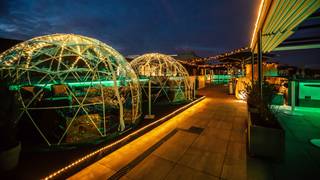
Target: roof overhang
<point x="277" y="20"/>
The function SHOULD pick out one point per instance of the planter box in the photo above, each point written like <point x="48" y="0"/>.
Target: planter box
<point x="252" y="109"/>
<point x="9" y="158"/>
<point x="265" y="141"/>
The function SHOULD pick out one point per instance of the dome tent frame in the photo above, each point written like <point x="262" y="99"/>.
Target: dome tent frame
<point x="91" y="75"/>
<point x="160" y="69"/>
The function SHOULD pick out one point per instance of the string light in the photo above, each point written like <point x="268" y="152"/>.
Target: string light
<point x="194" y="62"/>
<point x="257" y="22"/>
<point x="156" y="66"/>
<point x="64" y="169"/>
<point x="55" y="59"/>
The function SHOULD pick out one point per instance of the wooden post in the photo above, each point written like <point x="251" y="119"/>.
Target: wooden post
<point x="293" y="95"/>
<point x="260" y="70"/>
<point x="252" y="65"/>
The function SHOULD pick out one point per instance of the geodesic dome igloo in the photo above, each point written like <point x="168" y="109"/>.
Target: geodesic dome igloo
<point x="170" y="80"/>
<point x="71" y="88"/>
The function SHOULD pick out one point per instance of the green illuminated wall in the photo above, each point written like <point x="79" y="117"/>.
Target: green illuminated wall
<point x="309" y="89"/>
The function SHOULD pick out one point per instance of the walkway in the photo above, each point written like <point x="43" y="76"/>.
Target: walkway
<point x="207" y="141"/>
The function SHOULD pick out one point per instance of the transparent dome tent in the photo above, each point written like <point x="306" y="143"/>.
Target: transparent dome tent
<point x="170" y="80"/>
<point x="71" y="89"/>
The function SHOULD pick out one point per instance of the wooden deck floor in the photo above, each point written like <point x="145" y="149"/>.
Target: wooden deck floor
<point x="207" y="141"/>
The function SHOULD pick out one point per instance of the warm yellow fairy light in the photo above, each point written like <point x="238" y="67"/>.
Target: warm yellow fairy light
<point x="160" y="67"/>
<point x="256" y="24"/>
<point x="55" y="59"/>
<point x="210" y="58"/>
<point x="120" y="140"/>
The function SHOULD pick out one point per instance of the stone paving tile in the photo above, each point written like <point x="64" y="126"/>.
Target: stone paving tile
<point x="234" y="169"/>
<point x="94" y="172"/>
<point x="204" y="161"/>
<point x="175" y="147"/>
<point x="184" y="173"/>
<point x="153" y="167"/>
<point x="123" y="156"/>
<point x="213" y="123"/>
<point x="125" y="178"/>
<point x="122" y="159"/>
<point x="182" y="138"/>
<point x="211" y="144"/>
<point x="186" y="124"/>
<point x="216" y="132"/>
<point x="238" y="136"/>
<point x="200" y="123"/>
<point x="239" y="127"/>
<point x="218" y="152"/>
<point x="171" y="152"/>
<point x="224" y="125"/>
<point x="236" y="151"/>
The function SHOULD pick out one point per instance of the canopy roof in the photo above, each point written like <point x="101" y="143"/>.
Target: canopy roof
<point x="278" y="19"/>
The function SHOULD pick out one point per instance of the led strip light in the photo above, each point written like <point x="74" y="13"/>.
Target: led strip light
<point x="64" y="169"/>
<point x="256" y="24"/>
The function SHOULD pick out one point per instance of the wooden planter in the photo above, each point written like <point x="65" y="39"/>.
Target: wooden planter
<point x="265" y="141"/>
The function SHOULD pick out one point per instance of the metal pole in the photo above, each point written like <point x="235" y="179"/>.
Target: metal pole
<point x="293" y="95"/>
<point x="205" y="75"/>
<point x="260" y="70"/>
<point x="252" y="65"/>
<point x="149" y="115"/>
<point x="293" y="99"/>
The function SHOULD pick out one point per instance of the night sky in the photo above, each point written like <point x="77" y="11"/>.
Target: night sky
<point x="137" y="26"/>
<point x="208" y="27"/>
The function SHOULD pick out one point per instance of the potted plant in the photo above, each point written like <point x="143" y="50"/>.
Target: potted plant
<point x="10" y="147"/>
<point x="253" y="97"/>
<point x="266" y="137"/>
